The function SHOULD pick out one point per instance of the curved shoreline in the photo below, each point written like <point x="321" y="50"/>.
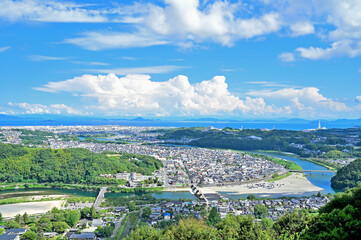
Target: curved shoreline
<point x="295" y="184"/>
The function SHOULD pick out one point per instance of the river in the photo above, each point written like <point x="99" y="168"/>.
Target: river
<point x="4" y="194"/>
<point x="322" y="180"/>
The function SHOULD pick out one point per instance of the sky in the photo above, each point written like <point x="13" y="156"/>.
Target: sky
<point x="252" y="59"/>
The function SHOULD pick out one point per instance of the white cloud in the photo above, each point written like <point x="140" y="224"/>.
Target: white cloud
<point x="358" y="98"/>
<point x="46" y="58"/>
<point x="183" y="23"/>
<point x="138" y="70"/>
<point x="134" y="94"/>
<point x="339" y="23"/>
<point x="139" y="95"/>
<point x="108" y="40"/>
<point x="338" y="49"/>
<point x="302" y="102"/>
<point x="28" y="108"/>
<point x="3" y="49"/>
<point x="287" y="57"/>
<point x="302" y="28"/>
<point x="48" y="11"/>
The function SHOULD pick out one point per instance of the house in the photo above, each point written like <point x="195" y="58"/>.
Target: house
<point x="84" y="236"/>
<point x="98" y="222"/>
<point x="50" y="234"/>
<point x="9" y="237"/>
<point x="16" y="231"/>
<point x="166" y="216"/>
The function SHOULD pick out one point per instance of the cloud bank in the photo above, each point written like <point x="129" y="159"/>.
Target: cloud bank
<point x="139" y="95"/>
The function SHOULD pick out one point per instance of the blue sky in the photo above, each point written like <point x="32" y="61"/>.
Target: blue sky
<point x="189" y="58"/>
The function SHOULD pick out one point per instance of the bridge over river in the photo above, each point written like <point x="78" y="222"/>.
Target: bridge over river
<point x="100" y="197"/>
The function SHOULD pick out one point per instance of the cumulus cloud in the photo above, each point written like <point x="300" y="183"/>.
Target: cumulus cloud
<point x="303" y="101"/>
<point x="48" y="11"/>
<point x="358" y="99"/>
<point x="28" y="108"/>
<point x="302" y="28"/>
<point x="138" y="94"/>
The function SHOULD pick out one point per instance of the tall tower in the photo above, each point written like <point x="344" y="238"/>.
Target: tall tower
<point x="319" y="124"/>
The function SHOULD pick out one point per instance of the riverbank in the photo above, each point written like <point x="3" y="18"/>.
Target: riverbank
<point x="295" y="184"/>
<point x="11" y="210"/>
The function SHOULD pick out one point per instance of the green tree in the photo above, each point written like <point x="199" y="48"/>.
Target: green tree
<point x="18" y="218"/>
<point x="146" y="212"/>
<point x="251" y="197"/>
<point x="190" y="229"/>
<point x="12" y="224"/>
<point x="266" y="223"/>
<point x="72" y="218"/>
<point x="1" y="217"/>
<point x="26" y="218"/>
<point x="29" y="235"/>
<point x="93" y="213"/>
<point x="213" y="217"/>
<point x="260" y="211"/>
<point x="2" y="231"/>
<point x="85" y="212"/>
<point x="145" y="233"/>
<point x="106" y="231"/>
<point x="60" y="227"/>
<point x="132" y="206"/>
<point x="240" y="227"/>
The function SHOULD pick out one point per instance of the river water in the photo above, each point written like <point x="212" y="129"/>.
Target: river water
<point x="322" y="180"/>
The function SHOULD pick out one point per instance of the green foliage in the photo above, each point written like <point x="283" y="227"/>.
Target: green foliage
<point x="132" y="206"/>
<point x="146" y="212"/>
<point x="292" y="223"/>
<point x="106" y="231"/>
<point x="266" y="223"/>
<point x="251" y="197"/>
<point x="68" y="165"/>
<point x="189" y="230"/>
<point x="12" y="224"/>
<point x="29" y="235"/>
<point x="260" y="211"/>
<point x="25" y="218"/>
<point x="213" y="217"/>
<point x="72" y="217"/>
<point x="2" y="231"/>
<point x="339" y="219"/>
<point x="348" y="176"/>
<point x="93" y="213"/>
<point x="240" y="227"/>
<point x="60" y="227"/>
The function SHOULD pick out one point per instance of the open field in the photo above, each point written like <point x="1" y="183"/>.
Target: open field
<point x="11" y="210"/>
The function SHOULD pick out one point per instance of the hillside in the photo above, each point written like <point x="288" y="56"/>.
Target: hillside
<point x="19" y="164"/>
<point x="348" y="176"/>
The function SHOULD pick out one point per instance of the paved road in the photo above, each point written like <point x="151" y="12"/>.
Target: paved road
<point x="117" y="226"/>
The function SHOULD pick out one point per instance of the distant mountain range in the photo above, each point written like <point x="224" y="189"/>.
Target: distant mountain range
<point x="279" y="123"/>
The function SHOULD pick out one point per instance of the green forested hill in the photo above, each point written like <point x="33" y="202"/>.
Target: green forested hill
<point x="41" y="165"/>
<point x="348" y="176"/>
